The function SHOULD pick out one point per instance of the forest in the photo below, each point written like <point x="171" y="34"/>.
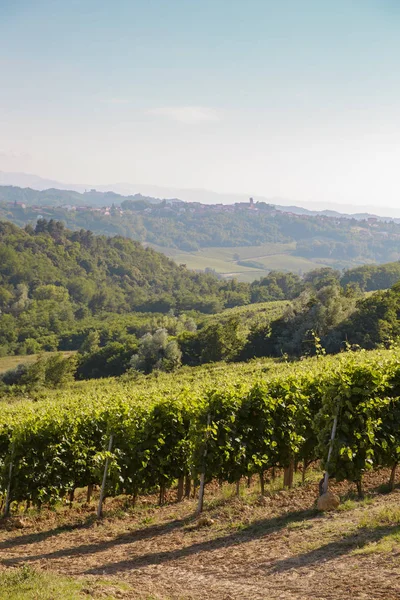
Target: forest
<point x="340" y="241"/>
<point x="124" y="307"/>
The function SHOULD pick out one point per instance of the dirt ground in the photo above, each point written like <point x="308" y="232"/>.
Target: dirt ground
<point x="244" y="548"/>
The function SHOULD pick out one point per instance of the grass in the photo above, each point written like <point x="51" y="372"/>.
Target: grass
<point x="248" y="252"/>
<point x="388" y="543"/>
<point x="225" y="261"/>
<point x="287" y="262"/>
<point x="265" y="258"/>
<point x="386" y="515"/>
<point x="27" y="583"/>
<point x="10" y="362"/>
<point x="384" y="524"/>
<point x="250" y="314"/>
<point x="351" y="504"/>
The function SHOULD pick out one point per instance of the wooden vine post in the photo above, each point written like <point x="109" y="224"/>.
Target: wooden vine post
<point x="333" y="434"/>
<point x="262" y="483"/>
<point x="8" y="492"/>
<point x="181" y="484"/>
<point x="188" y="485"/>
<point x="103" y="485"/>
<point x="203" y="474"/>
<point x="288" y="475"/>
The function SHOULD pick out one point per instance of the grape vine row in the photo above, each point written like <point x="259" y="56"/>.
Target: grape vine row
<point x="248" y="423"/>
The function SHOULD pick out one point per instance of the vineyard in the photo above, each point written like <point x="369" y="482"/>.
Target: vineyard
<point x="222" y="422"/>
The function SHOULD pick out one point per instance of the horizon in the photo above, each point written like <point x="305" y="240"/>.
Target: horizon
<point x="263" y="100"/>
<point x="186" y="194"/>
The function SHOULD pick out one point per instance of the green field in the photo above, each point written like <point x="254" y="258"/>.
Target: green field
<point x="251" y="314"/>
<point x="228" y="262"/>
<point x="10" y="362"/>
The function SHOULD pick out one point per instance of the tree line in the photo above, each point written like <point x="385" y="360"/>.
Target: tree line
<point x="57" y="287"/>
<point x="343" y="240"/>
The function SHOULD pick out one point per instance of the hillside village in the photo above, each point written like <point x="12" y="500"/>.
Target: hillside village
<point x="146" y="205"/>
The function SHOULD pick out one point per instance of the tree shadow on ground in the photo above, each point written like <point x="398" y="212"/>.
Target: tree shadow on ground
<point x="39" y="536"/>
<point x="256" y="530"/>
<point x="359" y="539"/>
<point x="140" y="534"/>
<point x="324" y="553"/>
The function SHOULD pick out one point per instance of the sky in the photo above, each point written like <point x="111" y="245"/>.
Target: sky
<point x="289" y="98"/>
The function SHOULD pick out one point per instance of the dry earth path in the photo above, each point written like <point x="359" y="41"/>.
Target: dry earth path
<point x="284" y="550"/>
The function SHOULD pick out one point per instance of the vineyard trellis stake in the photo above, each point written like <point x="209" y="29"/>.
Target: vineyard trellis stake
<point x="203" y="474"/>
<point x="103" y="485"/>
<point x="333" y="435"/>
<point x="8" y="492"/>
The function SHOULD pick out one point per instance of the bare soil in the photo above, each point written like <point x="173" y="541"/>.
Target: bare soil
<point x="244" y="548"/>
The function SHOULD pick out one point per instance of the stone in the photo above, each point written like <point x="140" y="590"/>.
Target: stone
<point x="15" y="523"/>
<point x="263" y="501"/>
<point x="328" y="501"/>
<point x="204" y="522"/>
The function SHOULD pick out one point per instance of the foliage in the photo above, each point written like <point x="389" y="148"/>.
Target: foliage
<point x="357" y="394"/>
<point x="57" y="287"/>
<point x="376" y="320"/>
<point x="248" y="418"/>
<point x="90" y="343"/>
<point x="156" y="351"/>
<point x="110" y="361"/>
<point x="51" y="371"/>
<point x="373" y="277"/>
<point x="63" y="290"/>
<point x="316" y="313"/>
<point x="188" y="226"/>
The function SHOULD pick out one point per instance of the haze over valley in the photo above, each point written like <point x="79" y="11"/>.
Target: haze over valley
<point x="36" y="182"/>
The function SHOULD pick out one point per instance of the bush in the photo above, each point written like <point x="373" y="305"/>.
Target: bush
<point x="59" y="370"/>
<point x="54" y="371"/>
<point x="110" y="361"/>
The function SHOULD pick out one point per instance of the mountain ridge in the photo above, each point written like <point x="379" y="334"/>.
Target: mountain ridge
<point x="215" y="237"/>
<point x="20" y="179"/>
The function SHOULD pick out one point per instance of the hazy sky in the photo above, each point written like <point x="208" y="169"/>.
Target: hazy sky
<point x="291" y="98"/>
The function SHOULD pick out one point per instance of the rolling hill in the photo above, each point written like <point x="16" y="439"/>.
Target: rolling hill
<point x="245" y="240"/>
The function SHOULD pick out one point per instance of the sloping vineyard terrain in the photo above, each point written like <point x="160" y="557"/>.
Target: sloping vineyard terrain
<point x="224" y="421"/>
<point x="241" y="426"/>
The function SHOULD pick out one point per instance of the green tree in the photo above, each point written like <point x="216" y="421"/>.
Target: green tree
<point x="91" y="343"/>
<point x="156" y="351"/>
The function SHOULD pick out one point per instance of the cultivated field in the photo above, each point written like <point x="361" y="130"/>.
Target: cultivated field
<point x="231" y="262"/>
<point x="244" y="545"/>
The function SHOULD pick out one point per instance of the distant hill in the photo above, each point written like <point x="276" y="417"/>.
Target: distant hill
<point x="244" y="240"/>
<point x="112" y="274"/>
<point x="197" y="195"/>
<point x="26" y="180"/>
<point x="359" y="216"/>
<point x="57" y="286"/>
<point x="55" y="283"/>
<point x="54" y="197"/>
